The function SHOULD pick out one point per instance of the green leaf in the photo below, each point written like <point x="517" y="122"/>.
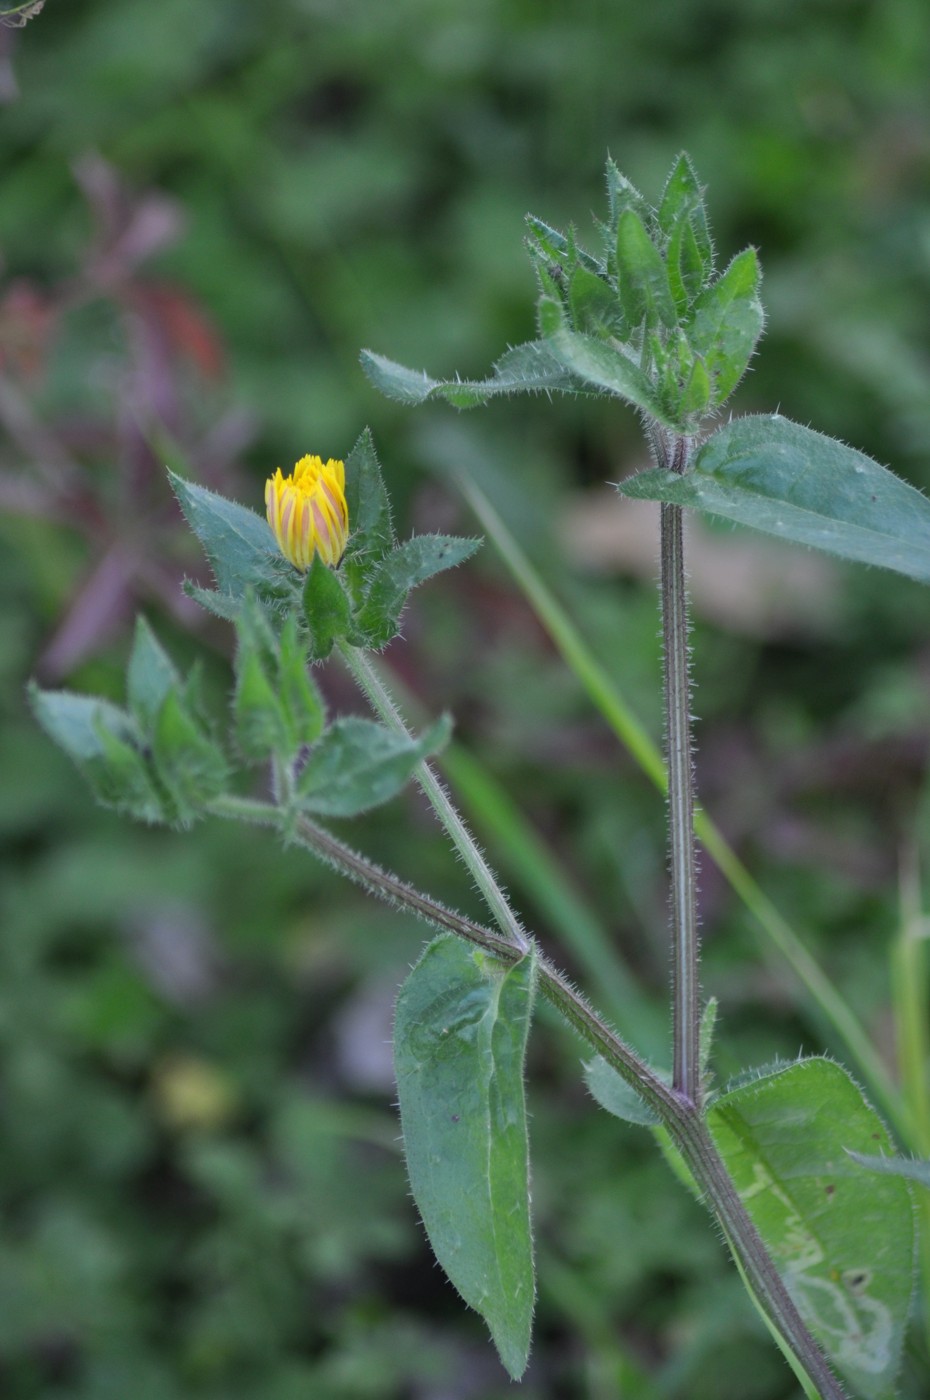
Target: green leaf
<point x="687" y="270"/>
<point x="844" y="1244"/>
<point x="550" y="316"/>
<point x="222" y="605"/>
<point x="595" y="305"/>
<point x="525" y="369"/>
<point x="326" y="609"/>
<point x="616" y="1095"/>
<point x="122" y="779"/>
<point x="258" y="721"/>
<point x="300" y="698"/>
<point x="190" y="765"/>
<point x="277" y="707"/>
<point x="411" y="563"/>
<point x="103" y="741"/>
<point x="622" y="195"/>
<point x="558" y="248"/>
<point x="681" y="194"/>
<point x="789" y="481"/>
<point x="367" y="499"/>
<point x="74" y="721"/>
<point x="706" y="1040"/>
<point x="150" y="675"/>
<point x="912" y="1168"/>
<point x="726" y="322"/>
<point x="684" y="383"/>
<point x="359" y="764"/>
<point x="599" y="365"/>
<point x="460" y="1036"/>
<point x="238" y="542"/>
<point x="683" y="218"/>
<point x="644" y="288"/>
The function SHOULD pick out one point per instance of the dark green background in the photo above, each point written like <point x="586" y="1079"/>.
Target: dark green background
<point x="201" y="1185"/>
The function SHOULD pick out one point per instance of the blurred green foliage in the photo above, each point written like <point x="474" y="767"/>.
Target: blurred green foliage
<point x="201" y="1189"/>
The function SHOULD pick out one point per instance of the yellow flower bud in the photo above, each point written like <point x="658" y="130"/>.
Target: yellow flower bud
<point x="307" y="511"/>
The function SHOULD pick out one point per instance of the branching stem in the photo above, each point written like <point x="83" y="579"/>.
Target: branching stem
<point x="681" y="1118"/>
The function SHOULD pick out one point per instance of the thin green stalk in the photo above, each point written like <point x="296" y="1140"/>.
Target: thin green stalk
<point x="366" y="674"/>
<point x="682" y="1120"/>
<point x="686" y="1005"/>
<point x="910" y="999"/>
<point x="520" y="850"/>
<point x="605" y="696"/>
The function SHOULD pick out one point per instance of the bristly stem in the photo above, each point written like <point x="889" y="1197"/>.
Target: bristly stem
<point x="366" y="674"/>
<point x="681" y="1118"/>
<point x="686" y="996"/>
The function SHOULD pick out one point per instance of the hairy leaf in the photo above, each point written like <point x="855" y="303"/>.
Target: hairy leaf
<point x="912" y="1168"/>
<point x="150" y="675"/>
<point x="326" y="609"/>
<point x="371" y="532"/>
<point x="789" y="481"/>
<point x="410" y="564"/>
<point x="843" y="1242"/>
<point x="726" y="321"/>
<point x="599" y="365"/>
<point x="616" y="1095"/>
<point x="300" y="698"/>
<point x="560" y="249"/>
<point x="595" y="305"/>
<point x="641" y="272"/>
<point x="188" y="762"/>
<point x="460" y="1036"/>
<point x="359" y="764"/>
<point x="104" y="743"/>
<point x="528" y="368"/>
<point x="237" y="541"/>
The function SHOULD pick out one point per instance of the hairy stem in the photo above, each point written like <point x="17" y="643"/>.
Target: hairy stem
<point x="785" y="940"/>
<point x="372" y="684"/>
<point x="679" y="1116"/>
<point x="686" y="1008"/>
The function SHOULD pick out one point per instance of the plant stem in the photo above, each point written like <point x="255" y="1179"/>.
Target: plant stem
<point x="693" y="1139"/>
<point x="366" y="674"/>
<point x="686" y="1010"/>
<point x="681" y="1118"/>
<point x="603" y="691"/>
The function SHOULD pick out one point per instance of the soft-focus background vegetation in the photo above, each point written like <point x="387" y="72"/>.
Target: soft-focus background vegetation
<point x="205" y="211"/>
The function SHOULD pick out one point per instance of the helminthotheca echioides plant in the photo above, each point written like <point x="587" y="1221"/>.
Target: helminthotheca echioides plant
<point x="808" y="1186"/>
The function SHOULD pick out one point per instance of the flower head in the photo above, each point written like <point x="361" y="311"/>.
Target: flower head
<point x="307" y="511"/>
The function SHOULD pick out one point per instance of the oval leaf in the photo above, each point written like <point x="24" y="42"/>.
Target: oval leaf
<point x="359" y="764"/>
<point x="616" y="1095"/>
<point x="789" y="481"/>
<point x="842" y="1241"/>
<point x="459" y="1048"/>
